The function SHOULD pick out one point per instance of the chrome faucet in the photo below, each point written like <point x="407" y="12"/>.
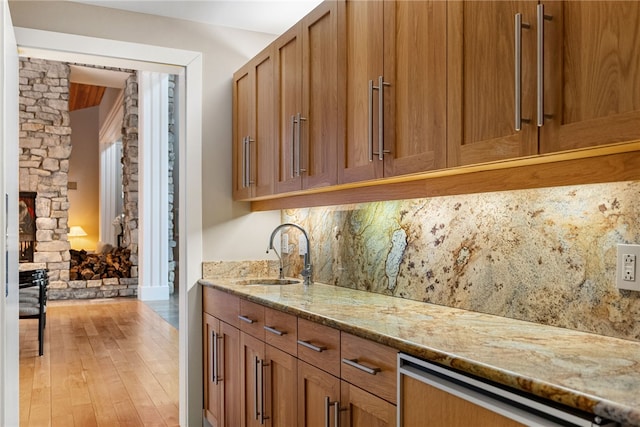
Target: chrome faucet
<point x="307" y="272"/>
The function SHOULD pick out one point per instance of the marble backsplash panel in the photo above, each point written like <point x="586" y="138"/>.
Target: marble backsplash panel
<point x="544" y="255"/>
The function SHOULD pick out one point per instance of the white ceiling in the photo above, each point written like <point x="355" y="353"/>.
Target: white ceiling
<point x="267" y="16"/>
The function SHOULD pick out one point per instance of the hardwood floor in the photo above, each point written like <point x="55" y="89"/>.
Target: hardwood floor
<point x="106" y="363"/>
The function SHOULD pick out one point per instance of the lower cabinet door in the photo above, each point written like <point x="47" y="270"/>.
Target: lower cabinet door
<point x="280" y="388"/>
<point x="212" y="387"/>
<point x="222" y="374"/>
<point x="252" y="378"/>
<point x="318" y="397"/>
<point x="362" y="409"/>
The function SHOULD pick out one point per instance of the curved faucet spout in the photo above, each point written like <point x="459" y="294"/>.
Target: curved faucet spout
<point x="307" y="272"/>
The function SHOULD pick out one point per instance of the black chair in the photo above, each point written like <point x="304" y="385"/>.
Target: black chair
<point x="33" y="300"/>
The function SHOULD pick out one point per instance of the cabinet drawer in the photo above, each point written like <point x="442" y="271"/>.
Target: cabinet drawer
<point x="319" y="345"/>
<point x="369" y="365"/>
<point x="281" y="330"/>
<point x="251" y="319"/>
<point x="222" y="305"/>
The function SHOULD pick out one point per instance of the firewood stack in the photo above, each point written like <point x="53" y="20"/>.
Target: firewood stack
<point x="89" y="266"/>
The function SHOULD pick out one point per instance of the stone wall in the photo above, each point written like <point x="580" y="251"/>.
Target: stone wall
<point x="45" y="147"/>
<point x="130" y="170"/>
<point x="173" y="206"/>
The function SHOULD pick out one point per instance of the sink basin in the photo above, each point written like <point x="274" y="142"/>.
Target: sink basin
<point x="268" y="282"/>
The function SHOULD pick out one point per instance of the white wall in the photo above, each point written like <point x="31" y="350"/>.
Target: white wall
<point x="84" y="167"/>
<point x="9" y="396"/>
<point x="230" y="232"/>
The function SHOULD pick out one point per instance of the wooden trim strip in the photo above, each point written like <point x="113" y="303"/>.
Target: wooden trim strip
<point x="619" y="162"/>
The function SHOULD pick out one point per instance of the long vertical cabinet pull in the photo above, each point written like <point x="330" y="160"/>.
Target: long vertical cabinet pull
<point x="540" y="63"/>
<point x="244" y="162"/>
<point x="370" y="120"/>
<point x="380" y="88"/>
<point x="215" y="378"/>
<point x="327" y="412"/>
<point x="293" y="146"/>
<point x="256" y="366"/>
<point x="300" y="119"/>
<point x="263" y="417"/>
<point x="381" y="84"/>
<point x="518" y="69"/>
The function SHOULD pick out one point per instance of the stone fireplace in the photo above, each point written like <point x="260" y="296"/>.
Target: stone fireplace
<point x="45" y="149"/>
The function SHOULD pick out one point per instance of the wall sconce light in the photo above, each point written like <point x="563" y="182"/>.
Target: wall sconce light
<point x="76" y="231"/>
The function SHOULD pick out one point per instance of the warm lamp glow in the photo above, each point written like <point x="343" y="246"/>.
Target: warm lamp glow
<point x="76" y="231"/>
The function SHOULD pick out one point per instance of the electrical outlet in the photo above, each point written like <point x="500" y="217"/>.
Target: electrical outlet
<point x="284" y="241"/>
<point x="302" y="245"/>
<point x="626" y="267"/>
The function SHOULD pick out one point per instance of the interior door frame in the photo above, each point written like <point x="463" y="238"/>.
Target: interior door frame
<point x="9" y="329"/>
<point x="187" y="65"/>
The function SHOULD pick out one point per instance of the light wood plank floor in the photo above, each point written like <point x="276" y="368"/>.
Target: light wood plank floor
<point x="106" y="363"/>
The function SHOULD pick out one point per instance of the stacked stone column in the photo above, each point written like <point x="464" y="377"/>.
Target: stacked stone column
<point x="130" y="170"/>
<point x="45" y="148"/>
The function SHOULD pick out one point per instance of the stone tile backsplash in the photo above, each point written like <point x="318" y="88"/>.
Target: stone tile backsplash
<point x="545" y="255"/>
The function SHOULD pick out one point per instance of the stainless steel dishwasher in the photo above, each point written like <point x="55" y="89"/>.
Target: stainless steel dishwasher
<point x="430" y="395"/>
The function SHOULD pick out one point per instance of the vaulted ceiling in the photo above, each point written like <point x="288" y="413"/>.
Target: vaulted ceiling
<point x="84" y="96"/>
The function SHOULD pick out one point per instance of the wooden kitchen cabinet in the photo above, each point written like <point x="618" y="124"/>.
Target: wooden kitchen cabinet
<point x="363" y="409"/>
<point x="253" y="128"/>
<point x="588" y="91"/>
<point x="592" y="74"/>
<point x="252" y="361"/>
<point x="222" y="372"/>
<point x="395" y="79"/>
<point x="481" y="88"/>
<point x="318" y="396"/>
<point x="306" y="117"/>
<point x="281" y="385"/>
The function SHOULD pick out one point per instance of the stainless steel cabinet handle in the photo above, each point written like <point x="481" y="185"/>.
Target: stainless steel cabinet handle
<point x="518" y="69"/>
<point x="244" y="162"/>
<point x="299" y="140"/>
<point x="327" y="412"/>
<point x="354" y="363"/>
<point x="380" y="88"/>
<point x="263" y="417"/>
<point x="249" y="141"/>
<point x="274" y="331"/>
<point x="540" y="63"/>
<point x="293" y="146"/>
<point x="214" y="358"/>
<point x="370" y="120"/>
<point x="246" y="319"/>
<point x="256" y="365"/>
<point x="381" y="84"/>
<point x="307" y="344"/>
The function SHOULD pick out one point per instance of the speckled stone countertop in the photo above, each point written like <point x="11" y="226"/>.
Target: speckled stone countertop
<point x="594" y="373"/>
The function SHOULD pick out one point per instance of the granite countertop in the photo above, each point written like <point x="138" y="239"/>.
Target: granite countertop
<point x="589" y="372"/>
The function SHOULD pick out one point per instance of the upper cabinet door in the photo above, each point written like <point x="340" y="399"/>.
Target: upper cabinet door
<point x="592" y="74"/>
<point x="395" y="61"/>
<point x="242" y="111"/>
<point x="253" y="128"/>
<point x="307" y="101"/>
<point x="319" y="121"/>
<point x="361" y="26"/>
<point x="263" y="144"/>
<point x="482" y="86"/>
<point x="288" y="53"/>
<point x="415" y="100"/>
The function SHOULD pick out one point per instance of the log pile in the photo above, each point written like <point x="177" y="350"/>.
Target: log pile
<point x="90" y="266"/>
